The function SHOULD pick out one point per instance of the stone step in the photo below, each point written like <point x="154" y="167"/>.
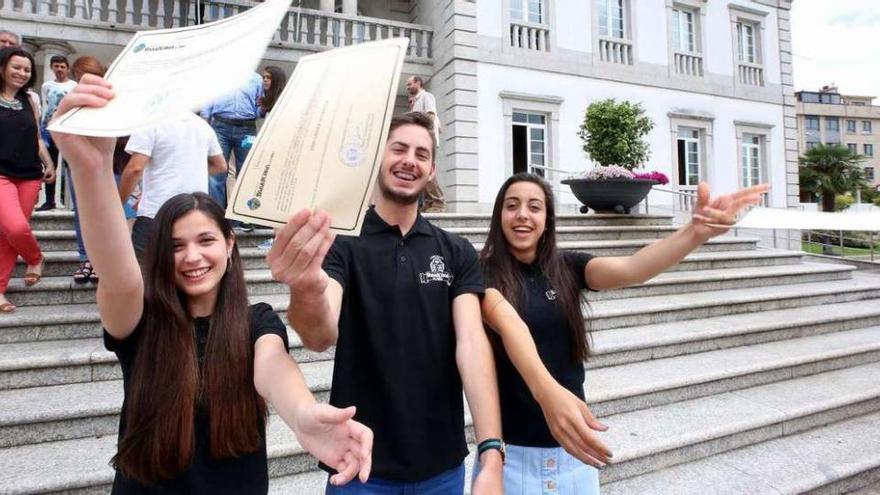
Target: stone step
<point x="64" y="263"/>
<point x="41" y="413"/>
<point x="737" y="259"/>
<point x="842" y="457"/>
<point x="649" y="440"/>
<point x="63" y="290"/>
<point x="65" y="240"/>
<point x="661" y="340"/>
<point x="729" y="278"/>
<point x="70" y="321"/>
<point x="642" y="441"/>
<point x="54" y="362"/>
<point x="63" y="220"/>
<point x="627" y="312"/>
<point x="639" y="385"/>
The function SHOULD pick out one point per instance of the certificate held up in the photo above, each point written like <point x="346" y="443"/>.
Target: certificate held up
<point x="322" y="145"/>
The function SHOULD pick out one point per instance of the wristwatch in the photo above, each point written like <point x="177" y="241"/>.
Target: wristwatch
<point x="489" y="444"/>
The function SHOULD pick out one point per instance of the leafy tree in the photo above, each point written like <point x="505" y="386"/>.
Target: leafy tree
<point x="613" y="133"/>
<point x="829" y="170"/>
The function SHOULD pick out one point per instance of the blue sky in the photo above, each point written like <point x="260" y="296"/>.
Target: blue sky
<point x="837" y="41"/>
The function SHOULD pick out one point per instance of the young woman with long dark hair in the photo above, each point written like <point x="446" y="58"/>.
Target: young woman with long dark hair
<point x="274" y="81"/>
<point x="548" y="428"/>
<point x="24" y="165"/>
<point x="199" y="365"/>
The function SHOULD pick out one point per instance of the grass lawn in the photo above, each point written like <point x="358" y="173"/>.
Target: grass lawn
<point x="847" y="251"/>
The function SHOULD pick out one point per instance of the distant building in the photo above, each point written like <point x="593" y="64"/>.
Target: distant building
<point x="828" y="117"/>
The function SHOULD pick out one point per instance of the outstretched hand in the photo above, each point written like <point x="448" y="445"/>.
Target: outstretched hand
<point x="713" y="217"/>
<point x="573" y="425"/>
<point x="84" y="151"/>
<point x="334" y="438"/>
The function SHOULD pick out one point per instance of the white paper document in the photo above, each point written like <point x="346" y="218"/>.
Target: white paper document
<point x="163" y="72"/>
<point x="322" y="145"/>
<point x="774" y="218"/>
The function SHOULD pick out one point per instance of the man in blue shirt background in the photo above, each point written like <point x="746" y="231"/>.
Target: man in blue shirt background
<point x="234" y="119"/>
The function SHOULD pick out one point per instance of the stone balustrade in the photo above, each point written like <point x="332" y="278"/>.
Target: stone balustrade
<point x="300" y="28"/>
<point x="688" y="64"/>
<point x="530" y="36"/>
<point x="616" y="51"/>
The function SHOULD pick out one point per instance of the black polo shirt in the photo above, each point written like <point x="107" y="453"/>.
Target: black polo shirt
<point x="522" y="420"/>
<point x="395" y="356"/>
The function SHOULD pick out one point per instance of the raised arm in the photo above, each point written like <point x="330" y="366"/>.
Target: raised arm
<point x="621" y="271"/>
<point x="120" y="293"/>
<point x="570" y="420"/>
<point x="328" y="433"/>
<point x="315" y="299"/>
<point x="473" y="356"/>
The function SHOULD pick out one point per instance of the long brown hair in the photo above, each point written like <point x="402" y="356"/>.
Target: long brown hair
<point x="501" y="270"/>
<point x="279" y="80"/>
<point x="167" y="385"/>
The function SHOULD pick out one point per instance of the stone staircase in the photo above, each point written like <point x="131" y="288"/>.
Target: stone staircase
<point x="740" y="371"/>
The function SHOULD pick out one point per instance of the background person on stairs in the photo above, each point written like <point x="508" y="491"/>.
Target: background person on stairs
<point x="548" y="427"/>
<point x="173" y="157"/>
<point x="51" y="93"/>
<point x="199" y="365"/>
<point x="401" y="303"/>
<point x="21" y="172"/>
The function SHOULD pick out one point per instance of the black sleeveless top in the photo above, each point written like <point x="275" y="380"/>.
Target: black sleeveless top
<point x="18" y="142"/>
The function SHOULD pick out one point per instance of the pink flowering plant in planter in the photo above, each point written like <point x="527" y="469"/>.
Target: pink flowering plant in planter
<point x="613" y="134"/>
<point x="654" y="175"/>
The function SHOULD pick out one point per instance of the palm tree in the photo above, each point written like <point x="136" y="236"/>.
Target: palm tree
<point x="828" y="170"/>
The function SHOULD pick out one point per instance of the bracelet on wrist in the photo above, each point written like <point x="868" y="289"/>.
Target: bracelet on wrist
<point x="492" y="444"/>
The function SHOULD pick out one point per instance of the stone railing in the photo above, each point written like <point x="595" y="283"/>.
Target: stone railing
<point x="300" y="28"/>
<point x="751" y="74"/>
<point x="688" y="64"/>
<point x="616" y="51"/>
<point x="530" y="36"/>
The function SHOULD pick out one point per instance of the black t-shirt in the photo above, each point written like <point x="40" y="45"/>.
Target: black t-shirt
<point x="247" y="474"/>
<point x="18" y="142"/>
<point x="522" y="421"/>
<point x="395" y="355"/>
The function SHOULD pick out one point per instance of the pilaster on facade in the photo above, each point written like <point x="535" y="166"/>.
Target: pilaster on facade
<point x="792" y="181"/>
<point x="454" y="84"/>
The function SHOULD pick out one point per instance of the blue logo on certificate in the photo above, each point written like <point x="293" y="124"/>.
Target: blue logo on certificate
<point x="253" y="203"/>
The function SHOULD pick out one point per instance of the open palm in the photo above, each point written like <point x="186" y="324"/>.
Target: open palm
<point x="334" y="438"/>
<point x="714" y="216"/>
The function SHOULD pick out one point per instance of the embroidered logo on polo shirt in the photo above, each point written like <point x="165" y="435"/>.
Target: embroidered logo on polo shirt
<point x="437" y="272"/>
<point x="551" y="295"/>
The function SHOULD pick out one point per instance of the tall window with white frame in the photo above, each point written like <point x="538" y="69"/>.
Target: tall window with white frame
<point x="751" y="160"/>
<point x="686" y="49"/>
<point x="527" y="11"/>
<point x="529" y="142"/>
<point x="683" y="37"/>
<point x="748" y="50"/>
<point x="528" y="25"/>
<point x="688" y="157"/>
<point x="615" y="43"/>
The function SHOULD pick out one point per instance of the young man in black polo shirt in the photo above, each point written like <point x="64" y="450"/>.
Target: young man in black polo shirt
<point x="401" y="303"/>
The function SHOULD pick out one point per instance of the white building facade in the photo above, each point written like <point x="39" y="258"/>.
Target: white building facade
<point x="715" y="77"/>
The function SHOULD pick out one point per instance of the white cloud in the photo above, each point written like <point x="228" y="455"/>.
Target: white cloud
<point x="837" y="42"/>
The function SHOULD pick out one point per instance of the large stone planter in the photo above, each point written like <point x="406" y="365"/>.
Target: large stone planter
<point x="610" y="195"/>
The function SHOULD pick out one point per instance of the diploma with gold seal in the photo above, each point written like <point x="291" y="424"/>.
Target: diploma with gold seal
<point x="322" y="145"/>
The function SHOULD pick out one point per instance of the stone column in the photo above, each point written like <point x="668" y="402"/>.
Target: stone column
<point x="328" y="5"/>
<point x="350" y="7"/>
